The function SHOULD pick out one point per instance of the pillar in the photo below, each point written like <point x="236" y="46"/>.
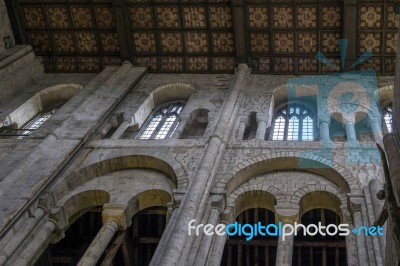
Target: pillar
<point x="242" y="128"/>
<point x="262" y="126"/>
<point x="120" y="130"/>
<point x="349" y="121"/>
<point x="374" y="187"/>
<point x="284" y="253"/>
<point x="99" y="243"/>
<point x="356" y="206"/>
<point x="192" y="205"/>
<point x="183" y="121"/>
<point x="324" y="128"/>
<point x="21" y="235"/>
<point x="376" y="129"/>
<point x="37" y="244"/>
<point x="206" y="241"/>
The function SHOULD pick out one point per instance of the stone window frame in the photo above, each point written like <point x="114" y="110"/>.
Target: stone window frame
<point x="284" y="111"/>
<point x="162" y="114"/>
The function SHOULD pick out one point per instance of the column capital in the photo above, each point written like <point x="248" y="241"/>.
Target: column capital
<point x="355" y="202"/>
<point x="262" y="117"/>
<point x="288" y="215"/>
<point x="349" y="119"/>
<point x="218" y="202"/>
<point x="116" y="213"/>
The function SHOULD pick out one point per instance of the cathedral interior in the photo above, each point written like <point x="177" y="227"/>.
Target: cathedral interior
<point x="123" y="120"/>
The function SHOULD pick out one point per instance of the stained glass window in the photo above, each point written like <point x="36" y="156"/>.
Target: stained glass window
<point x="387" y="117"/>
<point x="294" y="122"/>
<point x="162" y="123"/>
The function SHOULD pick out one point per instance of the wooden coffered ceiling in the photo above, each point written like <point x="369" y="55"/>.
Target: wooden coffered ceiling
<point x="203" y="36"/>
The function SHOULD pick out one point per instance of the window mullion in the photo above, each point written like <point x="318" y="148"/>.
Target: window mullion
<point x="159" y="126"/>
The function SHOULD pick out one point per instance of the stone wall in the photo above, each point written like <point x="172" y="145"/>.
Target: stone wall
<point x="6" y="35"/>
<point x="51" y="177"/>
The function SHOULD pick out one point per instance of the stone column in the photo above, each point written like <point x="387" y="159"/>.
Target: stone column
<point x="356" y="205"/>
<point x="349" y="121"/>
<point x="176" y="249"/>
<point x="21" y="235"/>
<point x="37" y="244"/>
<point x="262" y="120"/>
<point x="99" y="243"/>
<point x="324" y="122"/>
<point x="120" y="130"/>
<point x="376" y="129"/>
<point x="242" y="128"/>
<point x="374" y="187"/>
<point x="285" y="247"/>
<point x="206" y="241"/>
<point x="183" y="121"/>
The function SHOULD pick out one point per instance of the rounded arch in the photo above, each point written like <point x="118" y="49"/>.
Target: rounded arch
<point x="283" y="92"/>
<point x="171" y="92"/>
<point x="161" y="95"/>
<point x="321" y="200"/>
<point x="249" y="199"/>
<point x="79" y="203"/>
<point x="148" y="199"/>
<point x="101" y="168"/>
<point x="384" y="96"/>
<point x="43" y="100"/>
<point x="299" y="161"/>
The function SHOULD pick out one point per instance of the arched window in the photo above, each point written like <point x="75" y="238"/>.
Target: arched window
<point x="162" y="123"/>
<point x="387" y="118"/>
<point x="294" y="122"/>
<point x="29" y="127"/>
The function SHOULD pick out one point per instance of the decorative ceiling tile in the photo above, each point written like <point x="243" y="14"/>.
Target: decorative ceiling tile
<point x="370" y="41"/>
<point x="63" y="42"/>
<point x="306" y="17"/>
<point x="308" y="65"/>
<point x="89" y="64"/>
<point x="390" y="42"/>
<point x="222" y="42"/>
<point x="194" y="17"/>
<point x="260" y="64"/>
<point x="86" y="42"/>
<point x="282" y="17"/>
<point x="105" y="17"/>
<point x="283" y="65"/>
<point x="307" y="42"/>
<point x="40" y="41"/>
<point x="222" y="64"/>
<point x="196" y="42"/>
<point x="331" y="16"/>
<point x="194" y="64"/>
<point x="150" y="62"/>
<point x="389" y="65"/>
<point x="258" y="17"/>
<point x="259" y="42"/>
<point x="144" y="42"/>
<point x="373" y="63"/>
<point x="82" y="17"/>
<point x="141" y="17"/>
<point x="330" y="42"/>
<point x="109" y="41"/>
<point x="172" y="64"/>
<point x="220" y="17"/>
<point x="171" y="42"/>
<point x="283" y="42"/>
<point x="334" y="68"/>
<point x="168" y="17"/>
<point x="34" y="17"/>
<point x="58" y="17"/>
<point x="392" y="20"/>
<point x="370" y="17"/>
